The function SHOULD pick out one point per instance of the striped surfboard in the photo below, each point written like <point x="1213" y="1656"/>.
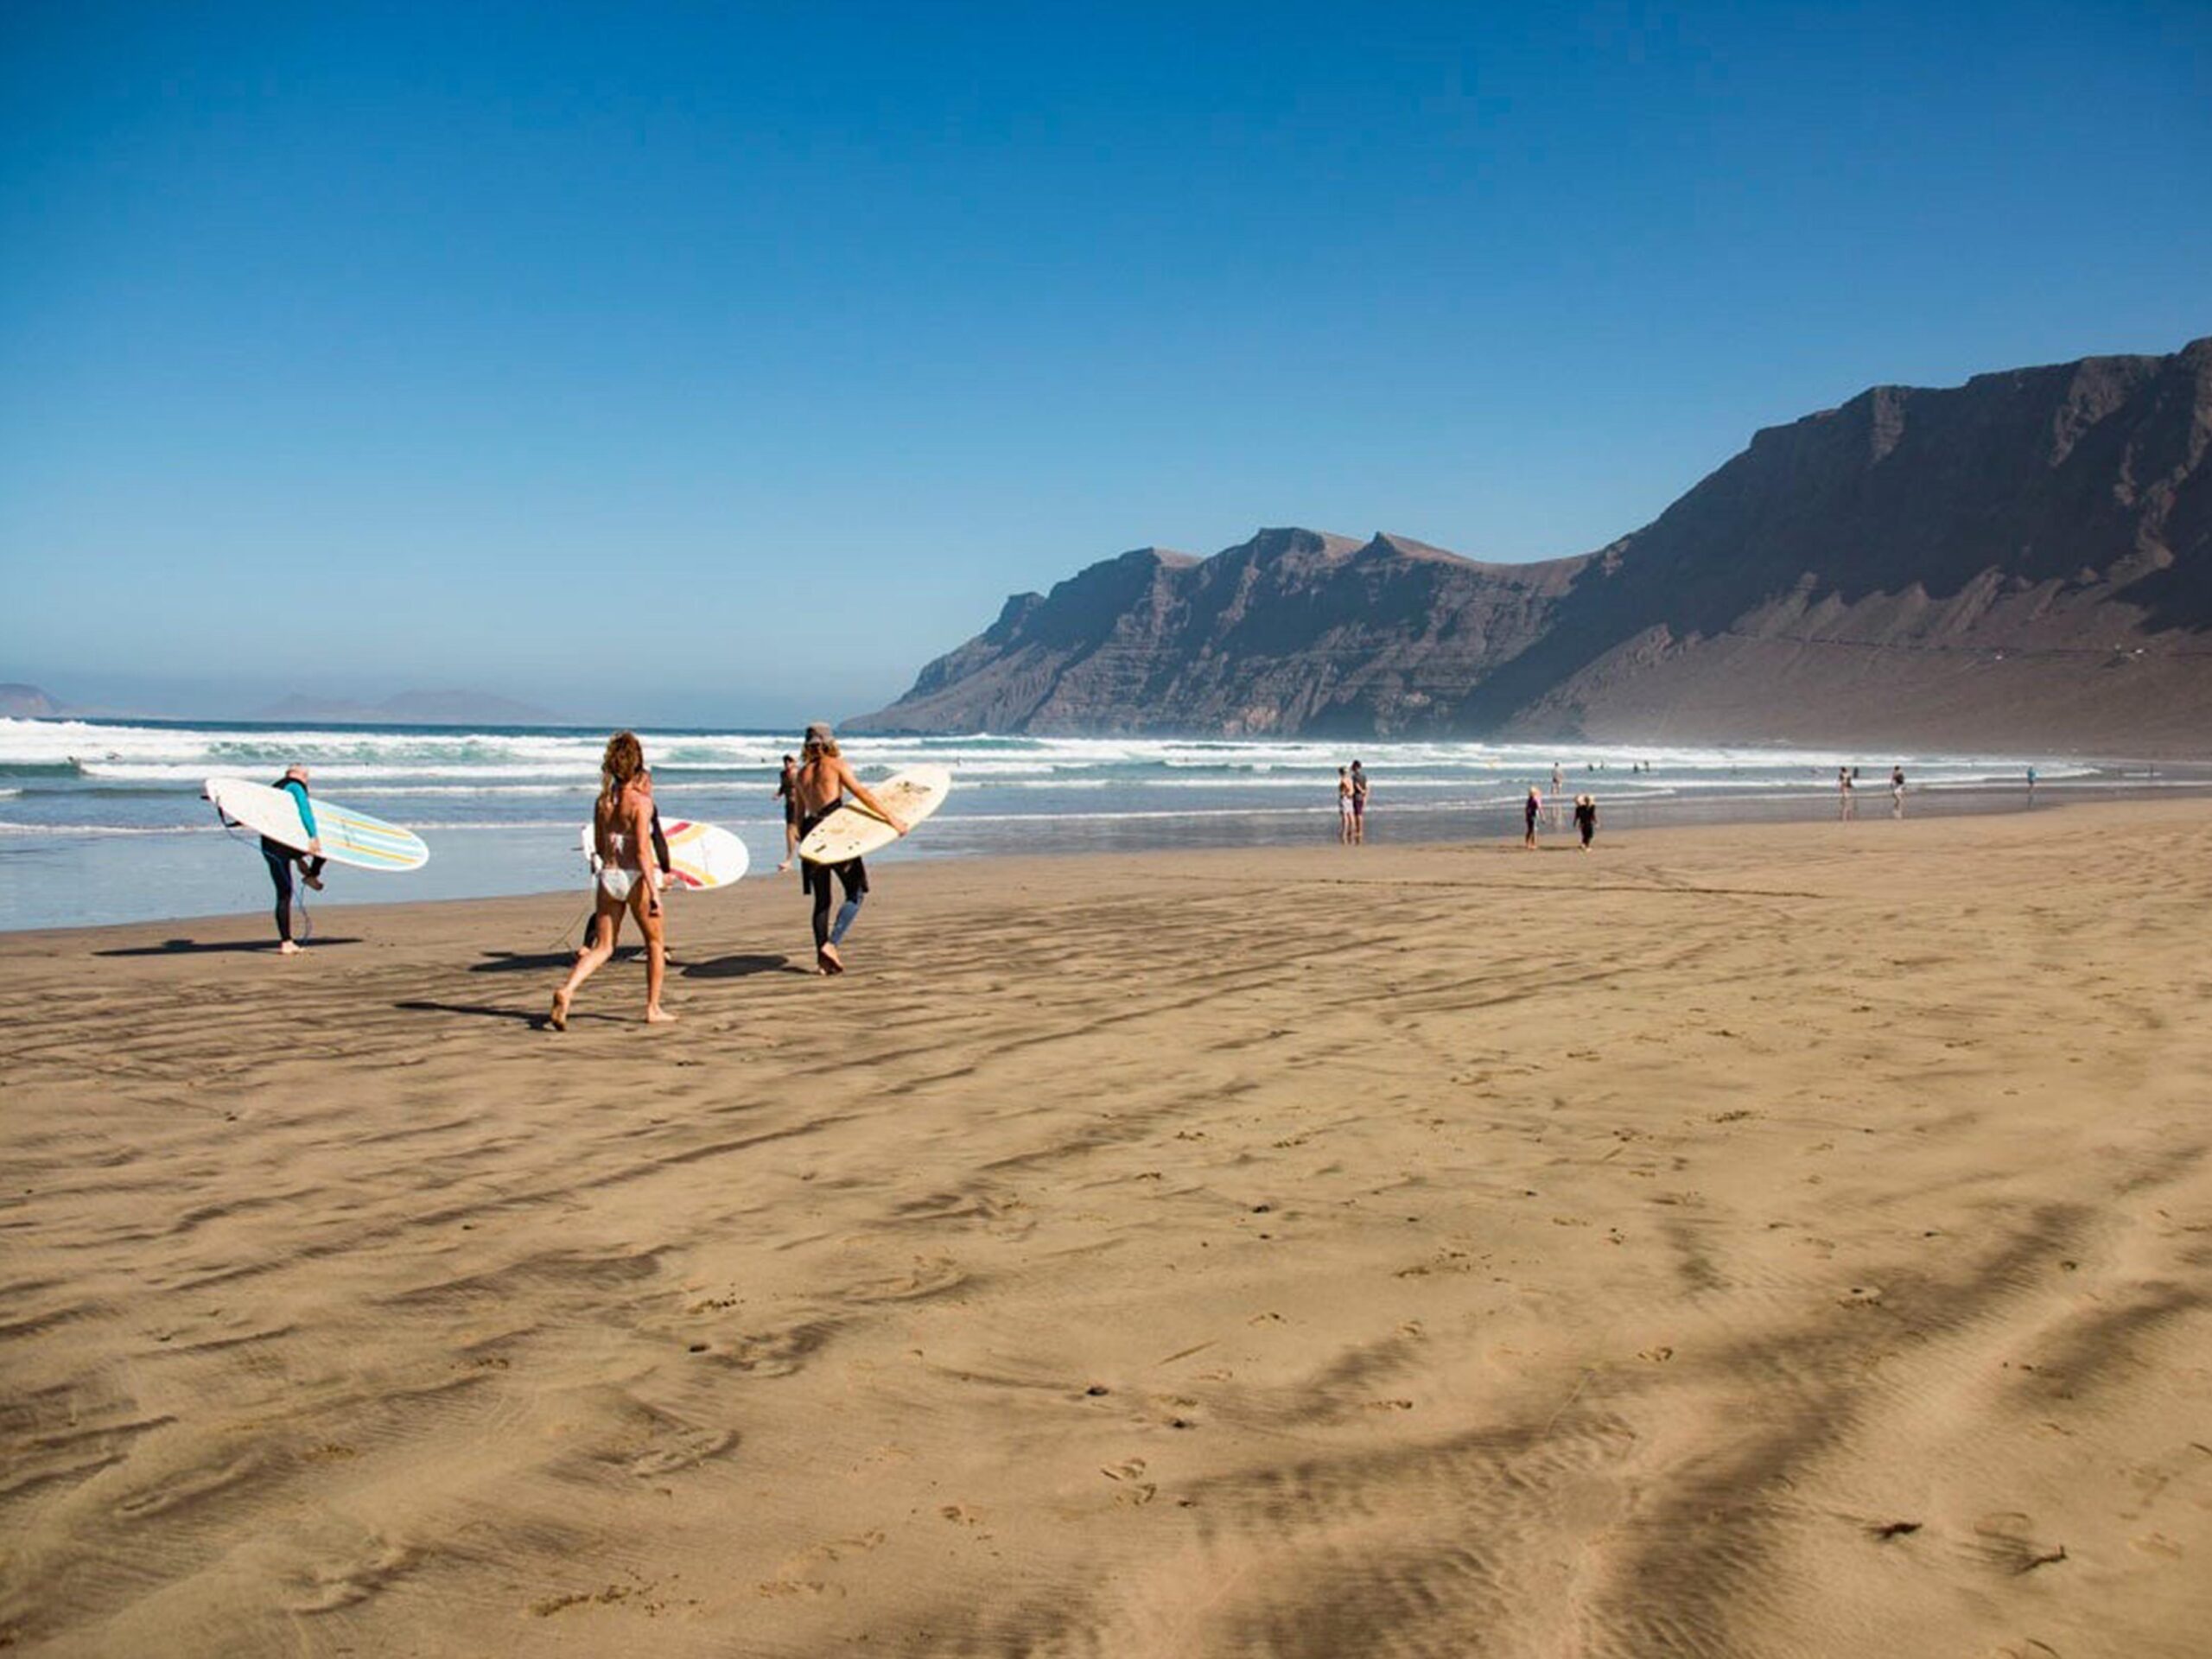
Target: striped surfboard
<point x="348" y="837"/>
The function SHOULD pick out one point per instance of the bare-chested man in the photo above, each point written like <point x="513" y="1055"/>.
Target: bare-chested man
<point x="823" y="778"/>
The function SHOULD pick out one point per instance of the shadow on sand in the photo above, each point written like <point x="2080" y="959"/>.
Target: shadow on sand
<point x="739" y="967"/>
<point x="195" y="948"/>
<point x="517" y="962"/>
<point x="527" y="1016"/>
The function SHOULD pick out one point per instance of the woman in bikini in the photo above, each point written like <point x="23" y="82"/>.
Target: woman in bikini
<point x="629" y="877"/>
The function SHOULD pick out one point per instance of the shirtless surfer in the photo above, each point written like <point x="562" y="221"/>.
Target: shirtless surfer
<point x="823" y="778"/>
<point x="629" y="878"/>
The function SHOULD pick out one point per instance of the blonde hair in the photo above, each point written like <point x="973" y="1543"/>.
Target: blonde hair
<point x="624" y="759"/>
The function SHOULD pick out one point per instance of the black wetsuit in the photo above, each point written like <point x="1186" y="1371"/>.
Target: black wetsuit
<point x="1585" y="820"/>
<point x="814" y="881"/>
<point x="281" y="858"/>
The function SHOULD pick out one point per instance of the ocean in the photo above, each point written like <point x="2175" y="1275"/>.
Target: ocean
<point x="102" y="821"/>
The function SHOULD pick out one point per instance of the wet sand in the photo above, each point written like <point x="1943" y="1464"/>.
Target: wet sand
<point x="1756" y="1241"/>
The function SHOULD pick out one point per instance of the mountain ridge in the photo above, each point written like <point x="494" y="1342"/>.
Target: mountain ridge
<point x="2026" y="557"/>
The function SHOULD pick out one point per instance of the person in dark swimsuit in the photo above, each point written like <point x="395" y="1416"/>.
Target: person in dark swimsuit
<point x="281" y="858"/>
<point x="1585" y="819"/>
<point x="1529" y="809"/>
<point x="787" y="792"/>
<point x="819" y="785"/>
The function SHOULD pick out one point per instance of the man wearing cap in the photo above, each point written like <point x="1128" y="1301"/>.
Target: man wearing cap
<point x="819" y="789"/>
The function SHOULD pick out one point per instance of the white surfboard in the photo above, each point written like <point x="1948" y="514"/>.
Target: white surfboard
<point x="700" y="855"/>
<point x="347" y="837"/>
<point x="852" y="830"/>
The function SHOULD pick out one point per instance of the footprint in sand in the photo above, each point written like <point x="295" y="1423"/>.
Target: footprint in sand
<point x="688" y="1447"/>
<point x="2005" y="1539"/>
<point x="326" y="1588"/>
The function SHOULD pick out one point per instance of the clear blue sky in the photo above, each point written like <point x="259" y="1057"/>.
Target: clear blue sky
<point x="683" y="361"/>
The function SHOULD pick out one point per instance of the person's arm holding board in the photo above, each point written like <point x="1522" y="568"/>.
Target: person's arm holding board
<point x="860" y="793"/>
<point x="298" y="791"/>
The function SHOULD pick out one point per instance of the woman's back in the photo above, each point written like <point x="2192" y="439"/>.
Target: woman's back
<point x="612" y="818"/>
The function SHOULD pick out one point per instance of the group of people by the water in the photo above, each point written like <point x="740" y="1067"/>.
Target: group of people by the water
<point x="631" y="857"/>
<point x="1533" y="809"/>
<point x="632" y="869"/>
<point x="1351" y="804"/>
<point x="1846" y="788"/>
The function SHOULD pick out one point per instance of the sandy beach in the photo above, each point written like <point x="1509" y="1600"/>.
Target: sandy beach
<point x="1751" y="1240"/>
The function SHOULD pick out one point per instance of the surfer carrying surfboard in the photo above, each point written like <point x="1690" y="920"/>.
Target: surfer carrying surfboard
<point x="281" y="858"/>
<point x="819" y="788"/>
<point x="629" y="878"/>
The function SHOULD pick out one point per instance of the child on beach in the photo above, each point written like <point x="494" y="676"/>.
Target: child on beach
<point x="1529" y="809"/>
<point x="1585" y="819"/>
<point x="630" y="878"/>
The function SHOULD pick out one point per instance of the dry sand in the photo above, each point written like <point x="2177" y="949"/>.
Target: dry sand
<point x="1765" y="1241"/>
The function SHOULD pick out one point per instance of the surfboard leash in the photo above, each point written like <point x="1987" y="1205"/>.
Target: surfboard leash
<point x="231" y="828"/>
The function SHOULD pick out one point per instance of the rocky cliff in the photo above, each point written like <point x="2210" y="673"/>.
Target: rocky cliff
<point x="2025" y="559"/>
<point x="20" y="702"/>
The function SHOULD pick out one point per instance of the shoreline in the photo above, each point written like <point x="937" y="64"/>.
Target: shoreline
<point x="471" y="864"/>
<point x="1680" y="831"/>
<point x="1753" y="1240"/>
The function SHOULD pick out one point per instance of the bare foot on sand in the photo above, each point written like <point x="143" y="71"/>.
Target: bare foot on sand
<point x="659" y="1016"/>
<point x="827" y="961"/>
<point x="286" y="948"/>
<point x="557" y="1017"/>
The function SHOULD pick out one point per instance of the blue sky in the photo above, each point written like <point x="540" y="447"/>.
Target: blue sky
<point x="720" y="363"/>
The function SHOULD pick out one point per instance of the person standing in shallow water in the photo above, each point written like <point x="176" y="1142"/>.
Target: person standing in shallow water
<point x="630" y="878"/>
<point x="823" y="778"/>
<point x="1344" y="807"/>
<point x="1358" y="804"/>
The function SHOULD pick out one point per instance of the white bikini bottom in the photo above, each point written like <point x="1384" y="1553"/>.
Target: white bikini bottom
<point x="615" y="882"/>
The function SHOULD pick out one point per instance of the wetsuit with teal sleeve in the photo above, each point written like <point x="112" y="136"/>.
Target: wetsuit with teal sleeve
<point x="298" y="791"/>
<point x="280" y="858"/>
